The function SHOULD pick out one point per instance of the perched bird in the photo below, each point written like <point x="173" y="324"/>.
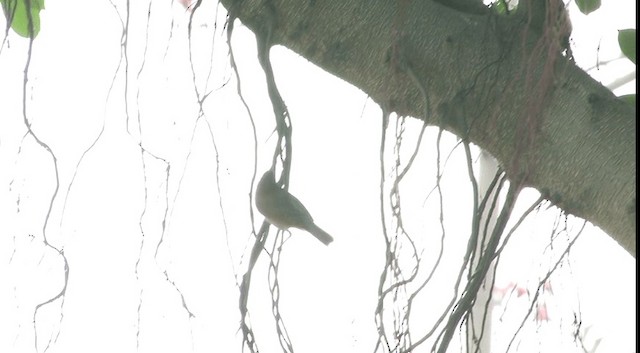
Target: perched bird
<point x="283" y="210"/>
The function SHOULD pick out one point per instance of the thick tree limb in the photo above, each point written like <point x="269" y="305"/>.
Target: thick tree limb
<point x="579" y="147"/>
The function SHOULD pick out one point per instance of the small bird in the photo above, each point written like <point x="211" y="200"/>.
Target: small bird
<point x="283" y="210"/>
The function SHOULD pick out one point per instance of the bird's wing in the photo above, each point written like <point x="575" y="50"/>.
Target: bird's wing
<point x="291" y="212"/>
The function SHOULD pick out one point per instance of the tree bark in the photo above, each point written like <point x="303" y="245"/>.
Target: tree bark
<point x="575" y="143"/>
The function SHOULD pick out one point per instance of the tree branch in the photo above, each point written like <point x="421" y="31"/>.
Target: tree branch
<point x="479" y="70"/>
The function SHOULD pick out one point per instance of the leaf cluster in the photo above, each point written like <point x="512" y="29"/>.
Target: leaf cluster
<point x="23" y="16"/>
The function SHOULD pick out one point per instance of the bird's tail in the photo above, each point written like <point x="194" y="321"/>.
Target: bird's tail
<point x="317" y="232"/>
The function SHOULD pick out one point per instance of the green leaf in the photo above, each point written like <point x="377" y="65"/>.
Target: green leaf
<point x="23" y="15"/>
<point x="627" y="41"/>
<point x="629" y="98"/>
<point x="503" y="7"/>
<point x="500" y="6"/>
<point x="588" y="6"/>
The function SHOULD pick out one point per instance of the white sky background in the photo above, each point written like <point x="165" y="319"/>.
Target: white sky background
<point x="328" y="294"/>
